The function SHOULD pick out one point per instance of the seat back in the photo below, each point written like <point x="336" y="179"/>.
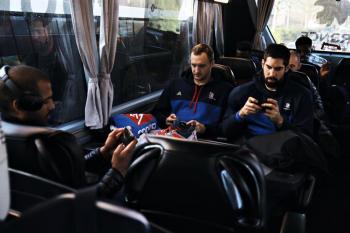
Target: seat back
<point x="312" y="72"/>
<point x="62" y="214"/>
<point x="341" y="73"/>
<point x="28" y="190"/>
<point x="209" y="182"/>
<point x="243" y="68"/>
<point x="225" y="73"/>
<point x="4" y="179"/>
<point x="49" y="153"/>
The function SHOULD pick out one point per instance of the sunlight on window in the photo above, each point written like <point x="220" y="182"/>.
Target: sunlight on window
<point x="327" y="23"/>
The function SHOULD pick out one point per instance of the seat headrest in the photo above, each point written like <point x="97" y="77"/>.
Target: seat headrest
<point x="170" y="143"/>
<point x="4" y="178"/>
<point x="224" y="72"/>
<point x="15" y="130"/>
<point x="243" y="68"/>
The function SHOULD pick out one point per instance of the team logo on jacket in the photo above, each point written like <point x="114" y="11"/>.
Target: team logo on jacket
<point x="287" y="107"/>
<point x="179" y="93"/>
<point x="211" y="96"/>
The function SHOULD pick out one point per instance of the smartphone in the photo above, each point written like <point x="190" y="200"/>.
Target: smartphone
<point x="127" y="136"/>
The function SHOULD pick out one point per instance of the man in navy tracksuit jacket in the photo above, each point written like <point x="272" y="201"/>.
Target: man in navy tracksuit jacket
<point x="269" y="103"/>
<point x="198" y="97"/>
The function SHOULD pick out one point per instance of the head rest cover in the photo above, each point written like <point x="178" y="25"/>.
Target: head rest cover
<point x="4" y="178"/>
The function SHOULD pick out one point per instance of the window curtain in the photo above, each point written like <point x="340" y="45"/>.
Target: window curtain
<point x="209" y="14"/>
<point x="72" y="105"/>
<point x="263" y="15"/>
<point x="97" y="68"/>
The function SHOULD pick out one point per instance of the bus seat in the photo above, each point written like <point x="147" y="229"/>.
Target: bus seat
<point x="225" y="73"/>
<point x="312" y="72"/>
<point x="243" y="68"/>
<point x="65" y="214"/>
<point x="28" y="190"/>
<point x="341" y="73"/>
<point x="210" y="183"/>
<point x="45" y="152"/>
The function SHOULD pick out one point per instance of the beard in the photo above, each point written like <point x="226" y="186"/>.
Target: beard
<point x="273" y="83"/>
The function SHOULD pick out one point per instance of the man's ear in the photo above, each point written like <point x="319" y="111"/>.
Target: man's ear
<point x="262" y="62"/>
<point x="14" y="107"/>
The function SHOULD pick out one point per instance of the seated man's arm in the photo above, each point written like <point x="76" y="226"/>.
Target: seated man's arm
<point x="238" y="107"/>
<point x="113" y="180"/>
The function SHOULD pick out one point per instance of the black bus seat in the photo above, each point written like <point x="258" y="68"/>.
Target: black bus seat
<point x="28" y="190"/>
<point x="45" y="152"/>
<point x="65" y="214"/>
<point x="323" y="135"/>
<point x="312" y="72"/>
<point x="341" y="73"/>
<point x="225" y="73"/>
<point x="200" y="185"/>
<point x="243" y="68"/>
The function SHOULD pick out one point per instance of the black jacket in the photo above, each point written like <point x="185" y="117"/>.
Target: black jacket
<point x="295" y="105"/>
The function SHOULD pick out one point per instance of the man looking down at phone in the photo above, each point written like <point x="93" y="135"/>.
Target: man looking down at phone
<point x="199" y="97"/>
<point x="26" y="100"/>
<point x="270" y="102"/>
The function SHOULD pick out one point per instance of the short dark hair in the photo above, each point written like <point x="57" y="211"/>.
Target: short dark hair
<point x="303" y="40"/>
<point x="26" y="79"/>
<point x="277" y="51"/>
<point x="203" y="48"/>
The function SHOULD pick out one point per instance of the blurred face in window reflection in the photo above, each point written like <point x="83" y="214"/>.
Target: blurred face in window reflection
<point x="201" y="68"/>
<point x="41" y="116"/>
<point x="274" y="71"/>
<point x="42" y="41"/>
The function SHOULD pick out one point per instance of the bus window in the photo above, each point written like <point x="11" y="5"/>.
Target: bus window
<point x="152" y="46"/>
<point x="37" y="33"/>
<point x="327" y="23"/>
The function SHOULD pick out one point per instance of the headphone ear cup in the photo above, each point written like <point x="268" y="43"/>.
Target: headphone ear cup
<point x="29" y="102"/>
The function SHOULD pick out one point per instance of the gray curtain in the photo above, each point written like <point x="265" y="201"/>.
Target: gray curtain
<point x="74" y="94"/>
<point x="85" y="36"/>
<point x="209" y="14"/>
<point x="263" y="15"/>
<point x="100" y="89"/>
<point x="108" y="48"/>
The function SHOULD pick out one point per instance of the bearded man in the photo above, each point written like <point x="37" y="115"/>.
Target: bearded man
<point x="270" y="102"/>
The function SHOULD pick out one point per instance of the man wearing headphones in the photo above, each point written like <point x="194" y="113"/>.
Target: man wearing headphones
<point x="26" y="98"/>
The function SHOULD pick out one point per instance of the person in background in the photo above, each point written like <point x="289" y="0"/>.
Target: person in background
<point x="22" y="80"/>
<point x="199" y="97"/>
<point x="244" y="50"/>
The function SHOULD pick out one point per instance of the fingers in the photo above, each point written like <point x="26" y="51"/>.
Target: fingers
<point x="129" y="148"/>
<point x="170" y="119"/>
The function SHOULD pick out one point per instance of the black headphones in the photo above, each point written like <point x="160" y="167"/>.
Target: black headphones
<point x="26" y="100"/>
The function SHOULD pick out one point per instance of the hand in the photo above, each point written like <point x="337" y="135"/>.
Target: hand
<point x="324" y="70"/>
<point x="170" y="119"/>
<point x="111" y="142"/>
<point x="273" y="112"/>
<point x="200" y="128"/>
<point x="250" y="107"/>
<point x="122" y="155"/>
